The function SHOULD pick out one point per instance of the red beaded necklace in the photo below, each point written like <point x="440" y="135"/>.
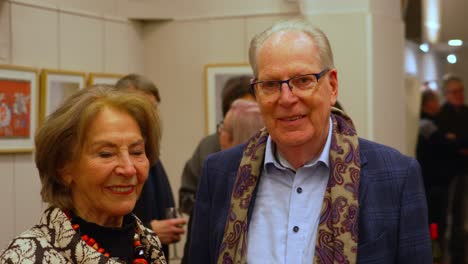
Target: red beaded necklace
<point x="139" y="257"/>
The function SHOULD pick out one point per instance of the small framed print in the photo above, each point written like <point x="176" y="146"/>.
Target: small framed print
<point x="216" y="77"/>
<point x="56" y="86"/>
<point x="19" y="99"/>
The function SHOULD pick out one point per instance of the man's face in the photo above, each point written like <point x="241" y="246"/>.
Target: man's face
<point x="292" y="121"/>
<point x="225" y="137"/>
<point x="432" y="106"/>
<point x="455" y="93"/>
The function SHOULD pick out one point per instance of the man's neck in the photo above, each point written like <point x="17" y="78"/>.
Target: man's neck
<point x="300" y="155"/>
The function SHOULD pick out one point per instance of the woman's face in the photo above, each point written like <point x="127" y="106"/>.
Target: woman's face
<point x="107" y="177"/>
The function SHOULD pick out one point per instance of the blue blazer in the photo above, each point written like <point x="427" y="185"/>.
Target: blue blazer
<point x="393" y="225"/>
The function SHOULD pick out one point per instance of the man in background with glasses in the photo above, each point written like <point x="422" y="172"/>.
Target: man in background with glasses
<point x="453" y="119"/>
<point x="306" y="189"/>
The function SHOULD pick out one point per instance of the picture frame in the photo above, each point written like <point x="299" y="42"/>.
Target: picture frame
<point x="103" y="78"/>
<point x="19" y="99"/>
<point x="216" y="76"/>
<point x="56" y="86"/>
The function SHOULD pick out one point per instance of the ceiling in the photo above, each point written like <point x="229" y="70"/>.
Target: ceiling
<point x="453" y="22"/>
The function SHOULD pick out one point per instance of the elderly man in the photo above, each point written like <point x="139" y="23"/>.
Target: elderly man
<point x="307" y="189"/>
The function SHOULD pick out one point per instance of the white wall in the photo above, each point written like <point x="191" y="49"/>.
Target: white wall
<point x="48" y="35"/>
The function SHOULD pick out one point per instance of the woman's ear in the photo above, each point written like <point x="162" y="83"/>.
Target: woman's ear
<point x="65" y="174"/>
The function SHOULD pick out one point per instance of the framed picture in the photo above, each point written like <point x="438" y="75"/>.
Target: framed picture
<point x="216" y="77"/>
<point x="18" y="108"/>
<point x="104" y="78"/>
<point x="56" y="86"/>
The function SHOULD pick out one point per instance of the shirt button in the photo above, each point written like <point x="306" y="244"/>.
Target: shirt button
<point x="295" y="229"/>
<point x="299" y="190"/>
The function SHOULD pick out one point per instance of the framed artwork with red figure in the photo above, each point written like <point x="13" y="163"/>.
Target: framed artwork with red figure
<point x="18" y="108"/>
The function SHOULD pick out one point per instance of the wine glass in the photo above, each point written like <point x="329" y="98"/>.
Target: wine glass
<point x="173" y="212"/>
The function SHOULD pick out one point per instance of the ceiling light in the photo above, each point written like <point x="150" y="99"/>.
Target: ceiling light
<point x="455" y="42"/>
<point x="451" y="58"/>
<point x="432" y="85"/>
<point x="424" y="47"/>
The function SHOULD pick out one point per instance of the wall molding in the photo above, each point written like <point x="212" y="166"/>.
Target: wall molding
<point x="68" y="10"/>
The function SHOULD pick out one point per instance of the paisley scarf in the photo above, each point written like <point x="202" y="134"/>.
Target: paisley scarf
<point x="337" y="236"/>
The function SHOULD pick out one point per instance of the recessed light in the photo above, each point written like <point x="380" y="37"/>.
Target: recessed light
<point x="424" y="47"/>
<point x="452" y="58"/>
<point x="455" y="42"/>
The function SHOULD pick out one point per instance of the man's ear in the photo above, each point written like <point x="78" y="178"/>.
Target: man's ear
<point x="333" y="81"/>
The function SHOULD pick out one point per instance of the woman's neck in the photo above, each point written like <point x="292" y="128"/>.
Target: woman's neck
<point x="99" y="219"/>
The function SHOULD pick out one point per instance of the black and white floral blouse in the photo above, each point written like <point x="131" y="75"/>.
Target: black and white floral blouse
<point x="53" y="240"/>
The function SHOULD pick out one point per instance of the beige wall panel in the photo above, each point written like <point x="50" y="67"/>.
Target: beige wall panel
<point x="348" y="33"/>
<point x="7" y="204"/>
<point x="116" y="50"/>
<point x="48" y="3"/>
<point x="225" y="41"/>
<point x="28" y="205"/>
<point x="188" y="9"/>
<point x="136" y="47"/>
<point x="255" y="25"/>
<point x="102" y="7"/>
<point x="220" y="8"/>
<point x="81" y="43"/>
<point x="34" y="36"/>
<point x="389" y="102"/>
<point x="4" y="32"/>
<point x="176" y="53"/>
<point x="148" y="9"/>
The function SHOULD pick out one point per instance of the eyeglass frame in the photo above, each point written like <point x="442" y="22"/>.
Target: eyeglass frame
<point x="317" y="76"/>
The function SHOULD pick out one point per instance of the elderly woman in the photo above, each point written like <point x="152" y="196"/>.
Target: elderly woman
<point x="93" y="156"/>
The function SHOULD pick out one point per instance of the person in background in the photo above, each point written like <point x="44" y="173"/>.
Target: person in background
<point x="93" y="154"/>
<point x="235" y="88"/>
<point x="157" y="193"/>
<point x="307" y="189"/>
<point x="433" y="149"/>
<point x="242" y="121"/>
<point x="453" y="119"/>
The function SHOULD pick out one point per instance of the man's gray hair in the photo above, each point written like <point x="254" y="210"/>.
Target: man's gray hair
<point x="325" y="55"/>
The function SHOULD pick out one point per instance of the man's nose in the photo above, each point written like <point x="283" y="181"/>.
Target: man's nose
<point x="286" y="93"/>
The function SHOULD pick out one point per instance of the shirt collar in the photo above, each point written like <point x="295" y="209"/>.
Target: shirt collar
<point x="281" y="163"/>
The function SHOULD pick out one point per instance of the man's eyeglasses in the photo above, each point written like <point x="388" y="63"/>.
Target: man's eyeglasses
<point x="299" y="85"/>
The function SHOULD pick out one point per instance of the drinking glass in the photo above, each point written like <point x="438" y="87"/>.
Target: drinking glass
<point x="173" y="212"/>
